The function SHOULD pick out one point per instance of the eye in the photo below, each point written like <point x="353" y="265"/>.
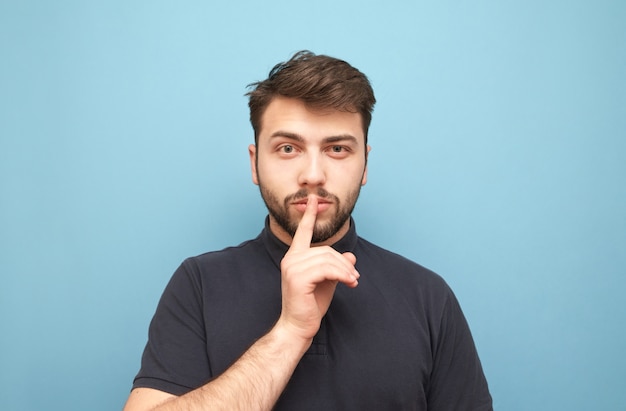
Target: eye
<point x="338" y="151"/>
<point x="287" y="149"/>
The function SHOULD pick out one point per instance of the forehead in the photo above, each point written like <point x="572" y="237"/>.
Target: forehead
<point x="294" y="116"/>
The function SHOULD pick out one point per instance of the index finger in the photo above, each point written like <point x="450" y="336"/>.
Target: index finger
<point x="304" y="232"/>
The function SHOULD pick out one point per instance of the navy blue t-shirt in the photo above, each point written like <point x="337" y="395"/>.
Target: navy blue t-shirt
<point x="398" y="341"/>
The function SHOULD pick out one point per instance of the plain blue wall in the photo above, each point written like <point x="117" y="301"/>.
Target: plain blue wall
<point x="499" y="160"/>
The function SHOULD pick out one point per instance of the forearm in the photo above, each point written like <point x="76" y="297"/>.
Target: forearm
<point x="255" y="381"/>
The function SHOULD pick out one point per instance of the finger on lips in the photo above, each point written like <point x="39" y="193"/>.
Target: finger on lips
<point x="304" y="232"/>
<point x="302" y="242"/>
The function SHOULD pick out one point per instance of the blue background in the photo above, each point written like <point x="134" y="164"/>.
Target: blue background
<point x="499" y="160"/>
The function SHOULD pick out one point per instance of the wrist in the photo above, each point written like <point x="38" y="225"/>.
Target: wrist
<point x="290" y="338"/>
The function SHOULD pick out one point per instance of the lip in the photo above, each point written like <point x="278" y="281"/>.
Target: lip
<point x="322" y="204"/>
<point x="306" y="200"/>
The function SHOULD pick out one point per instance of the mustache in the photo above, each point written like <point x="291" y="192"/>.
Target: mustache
<point x="304" y="193"/>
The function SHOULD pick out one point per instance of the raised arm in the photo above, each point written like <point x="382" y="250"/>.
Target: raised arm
<point x="258" y="377"/>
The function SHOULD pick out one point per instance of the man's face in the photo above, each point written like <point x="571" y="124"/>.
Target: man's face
<point x="302" y="151"/>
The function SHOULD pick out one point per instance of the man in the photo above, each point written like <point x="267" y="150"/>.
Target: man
<point x="309" y="316"/>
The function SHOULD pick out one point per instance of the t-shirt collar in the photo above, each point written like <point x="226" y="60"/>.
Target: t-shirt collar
<point x="277" y="249"/>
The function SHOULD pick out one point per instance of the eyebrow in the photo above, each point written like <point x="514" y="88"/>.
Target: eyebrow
<point x="330" y="139"/>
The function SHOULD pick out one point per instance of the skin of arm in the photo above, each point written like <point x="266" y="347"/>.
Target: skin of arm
<point x="259" y="376"/>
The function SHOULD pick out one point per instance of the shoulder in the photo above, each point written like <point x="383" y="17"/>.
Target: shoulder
<point x="248" y="251"/>
<point x="387" y="267"/>
<point x="219" y="266"/>
<point x="393" y="262"/>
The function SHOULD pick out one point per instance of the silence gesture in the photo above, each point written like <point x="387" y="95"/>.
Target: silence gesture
<point x="309" y="277"/>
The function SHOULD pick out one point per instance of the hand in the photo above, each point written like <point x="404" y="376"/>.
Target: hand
<point x="310" y="276"/>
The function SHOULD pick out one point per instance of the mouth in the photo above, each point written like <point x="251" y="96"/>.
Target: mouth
<point x="323" y="204"/>
<point x="306" y="200"/>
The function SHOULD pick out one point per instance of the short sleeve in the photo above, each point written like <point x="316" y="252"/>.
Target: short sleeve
<point x="457" y="381"/>
<point x="175" y="358"/>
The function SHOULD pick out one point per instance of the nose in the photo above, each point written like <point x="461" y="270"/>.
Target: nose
<point x="312" y="172"/>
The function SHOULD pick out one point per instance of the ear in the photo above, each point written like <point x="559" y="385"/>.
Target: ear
<point x="367" y="153"/>
<point x="252" y="153"/>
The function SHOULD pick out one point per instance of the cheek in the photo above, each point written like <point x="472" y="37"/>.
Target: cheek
<point x="274" y="176"/>
<point x="352" y="174"/>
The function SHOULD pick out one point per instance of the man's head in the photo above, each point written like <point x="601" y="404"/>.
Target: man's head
<point x="317" y="80"/>
<point x="310" y="119"/>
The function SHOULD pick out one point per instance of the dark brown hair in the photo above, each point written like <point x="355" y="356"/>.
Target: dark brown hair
<point x="317" y="80"/>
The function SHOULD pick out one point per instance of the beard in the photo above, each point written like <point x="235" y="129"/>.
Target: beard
<point x="322" y="231"/>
